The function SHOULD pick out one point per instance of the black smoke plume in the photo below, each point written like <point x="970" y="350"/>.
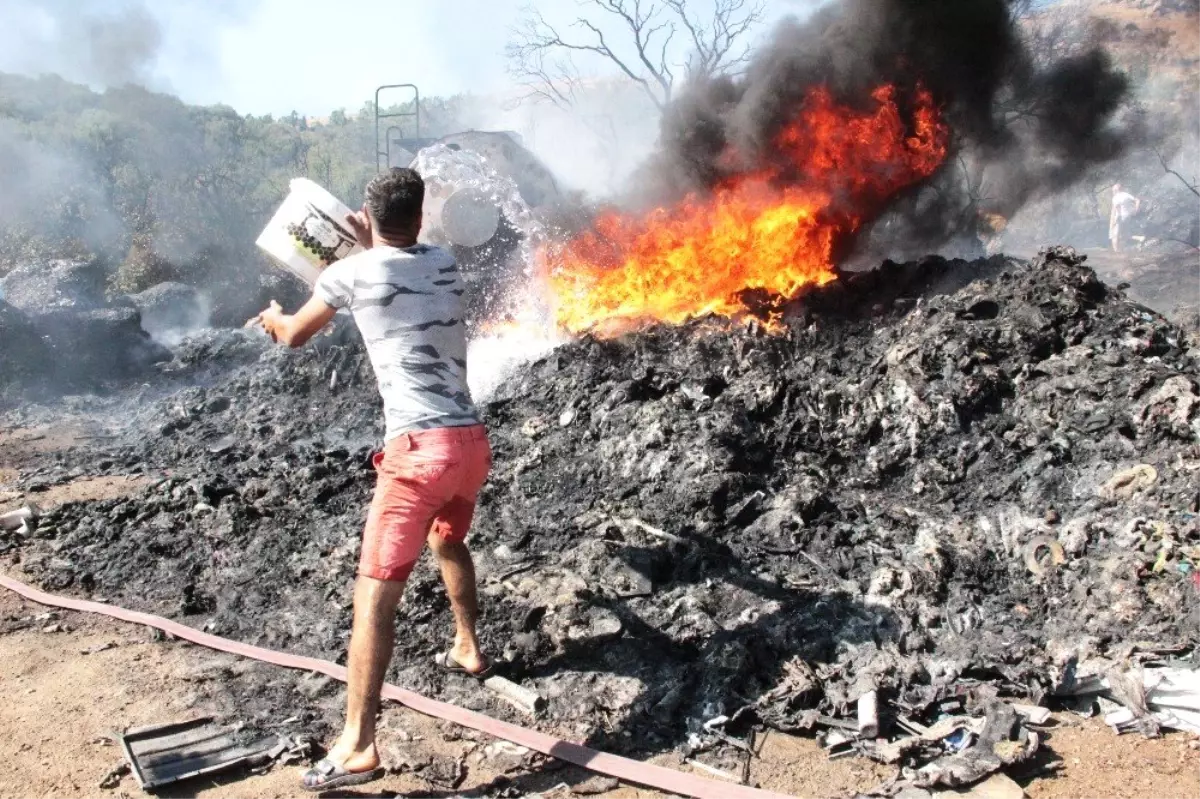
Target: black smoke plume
<point x="1033" y="125"/>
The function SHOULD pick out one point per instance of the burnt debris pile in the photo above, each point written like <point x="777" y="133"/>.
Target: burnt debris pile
<point x="60" y="331"/>
<point x="946" y="482"/>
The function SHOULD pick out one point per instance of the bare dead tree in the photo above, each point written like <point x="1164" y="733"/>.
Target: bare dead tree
<point x="718" y="45"/>
<point x="636" y="37"/>
<point x="1191" y="185"/>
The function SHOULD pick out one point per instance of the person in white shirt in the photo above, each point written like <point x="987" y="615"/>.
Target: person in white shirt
<point x="1124" y="206"/>
<point x="407" y="300"/>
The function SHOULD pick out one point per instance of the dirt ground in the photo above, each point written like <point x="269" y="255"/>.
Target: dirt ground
<point x="1170" y="284"/>
<point x="67" y="692"/>
<point x="21" y="446"/>
<point x="70" y="690"/>
<point x="72" y="680"/>
<point x="85" y="489"/>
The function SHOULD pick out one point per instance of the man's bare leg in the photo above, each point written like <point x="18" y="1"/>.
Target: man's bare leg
<point x="458" y="573"/>
<point x="371" y="641"/>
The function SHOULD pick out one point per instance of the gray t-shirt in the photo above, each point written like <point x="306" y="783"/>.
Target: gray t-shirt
<point x="408" y="305"/>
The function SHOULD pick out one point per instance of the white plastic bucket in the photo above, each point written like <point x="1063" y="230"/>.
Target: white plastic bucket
<point x="309" y="231"/>
<point x="470" y="218"/>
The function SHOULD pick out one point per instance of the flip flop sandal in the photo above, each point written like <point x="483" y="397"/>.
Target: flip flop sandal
<point x="445" y="661"/>
<point x="327" y="775"/>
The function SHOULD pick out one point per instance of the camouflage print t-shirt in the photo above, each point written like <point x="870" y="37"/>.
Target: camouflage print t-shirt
<point x="408" y="305"/>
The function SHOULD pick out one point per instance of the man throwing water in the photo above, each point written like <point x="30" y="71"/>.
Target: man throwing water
<point x="407" y="300"/>
<point x="1124" y="206"/>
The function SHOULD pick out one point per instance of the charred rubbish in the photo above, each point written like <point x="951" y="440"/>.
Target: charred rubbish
<point x="961" y="487"/>
<point x="62" y="333"/>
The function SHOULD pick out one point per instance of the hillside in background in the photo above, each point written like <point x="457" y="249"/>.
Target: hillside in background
<point x="1160" y="41"/>
<point x="1157" y="44"/>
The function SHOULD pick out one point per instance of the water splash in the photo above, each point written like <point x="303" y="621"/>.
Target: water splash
<point x="496" y="354"/>
<point x="520" y="327"/>
<point x="447" y="170"/>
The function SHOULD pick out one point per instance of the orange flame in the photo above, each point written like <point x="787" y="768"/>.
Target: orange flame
<point x="750" y="233"/>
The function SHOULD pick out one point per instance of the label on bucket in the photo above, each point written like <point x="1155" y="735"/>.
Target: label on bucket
<point x="320" y="239"/>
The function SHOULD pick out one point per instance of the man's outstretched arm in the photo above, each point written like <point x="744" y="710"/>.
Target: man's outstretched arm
<point x="296" y="329"/>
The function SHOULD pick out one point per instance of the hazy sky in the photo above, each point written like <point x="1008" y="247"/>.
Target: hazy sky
<point x="275" y="56"/>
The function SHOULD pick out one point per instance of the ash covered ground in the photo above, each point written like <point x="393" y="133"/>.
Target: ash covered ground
<point x="700" y="521"/>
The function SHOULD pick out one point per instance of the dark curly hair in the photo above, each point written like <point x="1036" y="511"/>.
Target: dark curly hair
<point x="394" y="200"/>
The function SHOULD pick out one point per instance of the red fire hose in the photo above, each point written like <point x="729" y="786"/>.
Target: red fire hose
<point x="622" y="768"/>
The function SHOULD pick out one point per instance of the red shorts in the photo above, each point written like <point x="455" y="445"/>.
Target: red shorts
<point x="427" y="484"/>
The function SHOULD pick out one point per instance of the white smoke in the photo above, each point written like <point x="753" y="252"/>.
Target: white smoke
<point x="593" y="145"/>
<point x="112" y="43"/>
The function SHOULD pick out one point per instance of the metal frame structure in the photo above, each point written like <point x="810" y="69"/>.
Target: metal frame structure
<point x="383" y="147"/>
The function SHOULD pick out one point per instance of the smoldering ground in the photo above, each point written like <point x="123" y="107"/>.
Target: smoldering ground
<point x="788" y="520"/>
